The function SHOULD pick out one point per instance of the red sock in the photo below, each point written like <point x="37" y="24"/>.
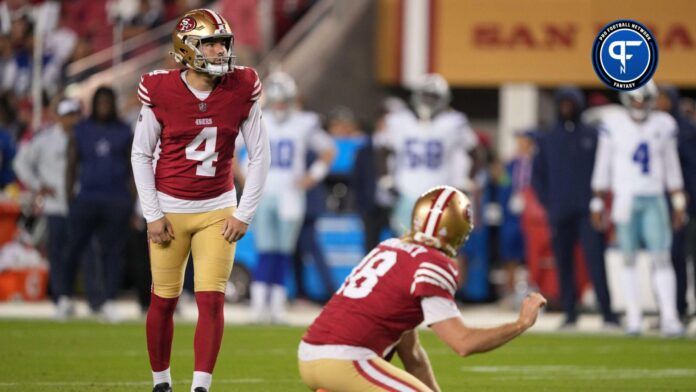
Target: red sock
<point x="160" y="331"/>
<point x="211" y="322"/>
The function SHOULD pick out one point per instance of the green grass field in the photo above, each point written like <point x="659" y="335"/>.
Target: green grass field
<point x="86" y="356"/>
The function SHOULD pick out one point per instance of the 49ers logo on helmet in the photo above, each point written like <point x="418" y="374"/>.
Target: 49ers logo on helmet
<point x="186" y="24"/>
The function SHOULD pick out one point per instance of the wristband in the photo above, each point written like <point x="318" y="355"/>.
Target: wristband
<point x="596" y="204"/>
<point x="679" y="201"/>
<point x="318" y="170"/>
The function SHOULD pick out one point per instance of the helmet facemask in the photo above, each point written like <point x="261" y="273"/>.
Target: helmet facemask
<point x="280" y="93"/>
<point x="430" y="97"/>
<point x="640" y="102"/>
<point x="216" y="66"/>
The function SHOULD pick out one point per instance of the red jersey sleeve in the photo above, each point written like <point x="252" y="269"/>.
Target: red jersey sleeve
<point x="250" y="82"/>
<point x="435" y="277"/>
<point x="147" y="88"/>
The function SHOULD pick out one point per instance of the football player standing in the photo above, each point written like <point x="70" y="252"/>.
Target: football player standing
<point x="292" y="132"/>
<point x="399" y="284"/>
<point x="429" y="144"/>
<point x="637" y="161"/>
<point x="192" y="117"/>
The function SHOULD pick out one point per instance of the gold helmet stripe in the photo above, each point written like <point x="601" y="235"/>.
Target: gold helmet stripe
<point x="435" y="213"/>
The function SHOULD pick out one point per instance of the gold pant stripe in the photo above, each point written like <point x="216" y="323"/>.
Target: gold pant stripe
<point x="374" y="375"/>
<point x="198" y="234"/>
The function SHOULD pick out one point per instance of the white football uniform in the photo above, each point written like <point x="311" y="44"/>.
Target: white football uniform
<point x="636" y="159"/>
<point x="424" y="152"/>
<point x="283" y="200"/>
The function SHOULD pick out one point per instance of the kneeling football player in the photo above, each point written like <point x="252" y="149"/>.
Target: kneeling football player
<point x="399" y="284"/>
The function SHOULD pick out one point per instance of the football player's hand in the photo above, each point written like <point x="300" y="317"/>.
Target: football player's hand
<point x="530" y="309"/>
<point x="306" y="182"/>
<point x="47" y="191"/>
<point x="160" y="231"/>
<point x="599" y="221"/>
<point x="233" y="229"/>
<point x="678" y="219"/>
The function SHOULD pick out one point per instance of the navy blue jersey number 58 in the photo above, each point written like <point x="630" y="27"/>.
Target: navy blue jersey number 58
<point x="426" y="153"/>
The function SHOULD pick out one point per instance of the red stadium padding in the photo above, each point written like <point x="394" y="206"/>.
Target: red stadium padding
<point x="539" y="252"/>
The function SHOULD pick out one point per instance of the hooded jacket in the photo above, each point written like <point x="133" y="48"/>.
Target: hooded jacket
<point x="562" y="168"/>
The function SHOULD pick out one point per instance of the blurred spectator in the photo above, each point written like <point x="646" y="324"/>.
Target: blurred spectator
<point x="60" y="45"/>
<point x="100" y="152"/>
<point x="566" y="152"/>
<point x="518" y="175"/>
<point x="7" y="143"/>
<point x="243" y="16"/>
<point x="684" y="240"/>
<point x="348" y="137"/>
<point x="41" y="167"/>
<point x="17" y="73"/>
<point x="373" y="208"/>
<point x="138" y="259"/>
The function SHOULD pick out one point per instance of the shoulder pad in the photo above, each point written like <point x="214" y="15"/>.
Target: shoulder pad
<point x="149" y="83"/>
<point x="249" y="81"/>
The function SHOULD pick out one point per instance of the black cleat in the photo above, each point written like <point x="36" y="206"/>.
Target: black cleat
<point x="162" y="387"/>
<point x="200" y="389"/>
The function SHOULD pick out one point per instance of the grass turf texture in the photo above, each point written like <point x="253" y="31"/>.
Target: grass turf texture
<point x="86" y="356"/>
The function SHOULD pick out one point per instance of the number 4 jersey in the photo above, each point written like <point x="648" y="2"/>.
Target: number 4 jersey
<point x="381" y="298"/>
<point x="195" y="132"/>
<point x="636" y="158"/>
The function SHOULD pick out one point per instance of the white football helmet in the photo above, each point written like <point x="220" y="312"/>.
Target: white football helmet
<point x="430" y="96"/>
<point x="280" y="92"/>
<point x="641" y="101"/>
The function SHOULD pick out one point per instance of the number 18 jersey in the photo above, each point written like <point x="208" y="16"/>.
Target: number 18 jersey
<point x="381" y="298"/>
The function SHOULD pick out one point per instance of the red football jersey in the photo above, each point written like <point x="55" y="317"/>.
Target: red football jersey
<point x="197" y="139"/>
<point x="380" y="299"/>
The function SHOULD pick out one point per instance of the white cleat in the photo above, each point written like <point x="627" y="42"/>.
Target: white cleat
<point x="65" y="309"/>
<point x="109" y="313"/>
<point x="672" y="330"/>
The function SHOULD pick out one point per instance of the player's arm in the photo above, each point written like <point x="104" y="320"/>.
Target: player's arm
<point x="415" y="359"/>
<point x="675" y="181"/>
<point x="24" y="166"/>
<point x="145" y="139"/>
<point x="465" y="340"/>
<point x="259" y="150"/>
<point x="601" y="179"/>
<point x="323" y="145"/>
